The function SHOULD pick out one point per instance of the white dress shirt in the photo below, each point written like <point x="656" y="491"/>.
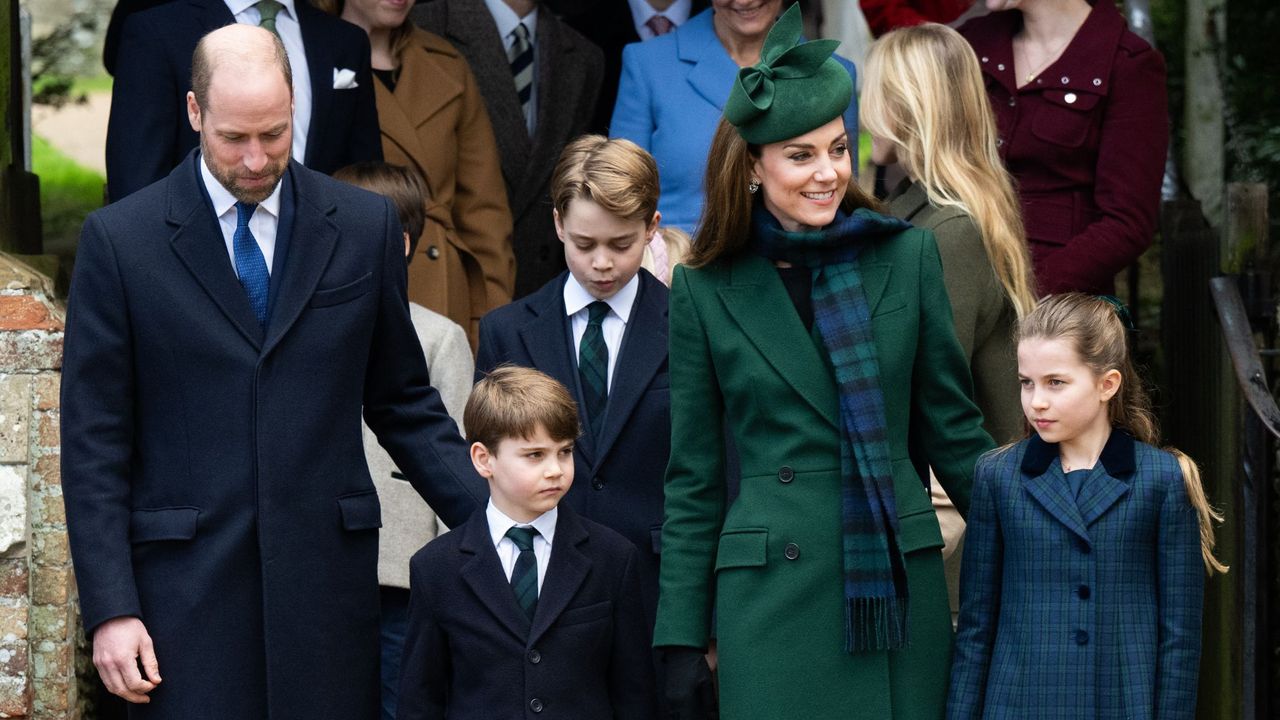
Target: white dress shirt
<point x="614" y="326"/>
<point x="507" y="20"/>
<point x="641" y="11"/>
<point x="499" y="524"/>
<point x="291" y="35"/>
<point x="263" y="223"/>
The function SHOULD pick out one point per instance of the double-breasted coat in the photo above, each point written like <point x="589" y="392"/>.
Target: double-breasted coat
<point x="213" y="469"/>
<point x="1079" y="607"/>
<point x="435" y="122"/>
<point x="770" y="562"/>
<point x="1086" y="142"/>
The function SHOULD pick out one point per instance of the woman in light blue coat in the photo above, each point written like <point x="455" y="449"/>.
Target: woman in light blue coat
<point x="673" y="91"/>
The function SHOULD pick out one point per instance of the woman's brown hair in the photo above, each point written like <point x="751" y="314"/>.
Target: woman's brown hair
<point x="725" y="226"/>
<point x="1091" y="326"/>
<point x="401" y="37"/>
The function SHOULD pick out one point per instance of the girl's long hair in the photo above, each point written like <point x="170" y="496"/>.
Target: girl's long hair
<point x="725" y="227"/>
<point x="1091" y="325"/>
<point x="923" y="92"/>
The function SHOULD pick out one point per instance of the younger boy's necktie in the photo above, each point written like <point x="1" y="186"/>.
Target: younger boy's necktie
<point x="593" y="366"/>
<point x="250" y="264"/>
<point x="524" y="576"/>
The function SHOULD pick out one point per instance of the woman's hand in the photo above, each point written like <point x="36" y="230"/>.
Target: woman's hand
<point x="689" y="690"/>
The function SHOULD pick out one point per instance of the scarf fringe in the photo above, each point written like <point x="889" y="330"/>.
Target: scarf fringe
<point x="875" y="623"/>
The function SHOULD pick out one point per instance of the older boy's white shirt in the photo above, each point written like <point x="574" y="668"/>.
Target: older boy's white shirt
<point x="614" y="326"/>
<point x="499" y="524"/>
<point x="263" y="224"/>
<point x="291" y="35"/>
<point x="641" y="11"/>
<point x="506" y="19"/>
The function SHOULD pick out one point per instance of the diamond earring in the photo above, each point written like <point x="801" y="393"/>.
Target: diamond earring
<point x="753" y="186"/>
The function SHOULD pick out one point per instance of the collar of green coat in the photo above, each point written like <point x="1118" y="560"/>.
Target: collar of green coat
<point x="1117" y="458"/>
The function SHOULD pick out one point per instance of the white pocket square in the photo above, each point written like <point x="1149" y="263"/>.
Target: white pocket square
<point x="344" y="79"/>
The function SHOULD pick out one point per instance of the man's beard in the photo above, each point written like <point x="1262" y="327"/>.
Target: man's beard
<point x="249" y="195"/>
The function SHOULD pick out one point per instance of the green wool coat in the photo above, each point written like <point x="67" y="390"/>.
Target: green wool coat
<point x="770" y="563"/>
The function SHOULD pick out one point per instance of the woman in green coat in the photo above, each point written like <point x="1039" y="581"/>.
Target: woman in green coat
<point x="819" y="334"/>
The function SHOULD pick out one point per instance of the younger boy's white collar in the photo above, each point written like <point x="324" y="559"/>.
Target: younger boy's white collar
<point x="499" y="523"/>
<point x="576" y="297"/>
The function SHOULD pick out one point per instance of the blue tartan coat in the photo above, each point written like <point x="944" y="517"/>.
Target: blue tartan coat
<point x="1083" y="607"/>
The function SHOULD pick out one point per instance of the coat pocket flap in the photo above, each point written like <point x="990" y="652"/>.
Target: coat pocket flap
<point x="920" y="531"/>
<point x="342" y="293"/>
<point x="361" y="511"/>
<point x="585" y="614"/>
<point x="746" y="547"/>
<point x="172" y="523"/>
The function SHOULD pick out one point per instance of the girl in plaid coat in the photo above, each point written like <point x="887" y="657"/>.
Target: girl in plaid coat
<point x="1082" y="582"/>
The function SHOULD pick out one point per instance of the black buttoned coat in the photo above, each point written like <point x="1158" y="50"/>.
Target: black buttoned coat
<point x="214" y="471"/>
<point x="471" y="654"/>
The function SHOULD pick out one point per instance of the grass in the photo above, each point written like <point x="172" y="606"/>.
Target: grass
<point x="68" y="193"/>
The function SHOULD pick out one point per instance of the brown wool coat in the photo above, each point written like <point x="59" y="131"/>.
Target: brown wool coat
<point x="435" y="122"/>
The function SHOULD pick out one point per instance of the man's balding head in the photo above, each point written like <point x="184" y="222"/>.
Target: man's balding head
<point x="237" y="50"/>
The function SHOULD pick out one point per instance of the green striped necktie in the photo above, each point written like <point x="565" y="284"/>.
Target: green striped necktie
<point x="267" y="11"/>
<point x="524" y="576"/>
<point x="593" y="366"/>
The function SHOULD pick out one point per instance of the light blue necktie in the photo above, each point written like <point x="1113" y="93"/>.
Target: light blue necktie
<point x="250" y="265"/>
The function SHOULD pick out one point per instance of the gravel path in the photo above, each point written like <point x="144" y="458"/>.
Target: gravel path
<point x="77" y="130"/>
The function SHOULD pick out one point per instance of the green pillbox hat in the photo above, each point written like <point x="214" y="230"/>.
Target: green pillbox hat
<point x="792" y="90"/>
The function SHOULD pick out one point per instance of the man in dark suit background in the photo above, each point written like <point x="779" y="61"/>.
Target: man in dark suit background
<point x="614" y="24"/>
<point x="335" y="121"/>
<point x="225" y="328"/>
<point x="540" y="93"/>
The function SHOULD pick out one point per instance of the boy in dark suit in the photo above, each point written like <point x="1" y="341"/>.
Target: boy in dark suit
<point x="527" y="607"/>
<point x="601" y="330"/>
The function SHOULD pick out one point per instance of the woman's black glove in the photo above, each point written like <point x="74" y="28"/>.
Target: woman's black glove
<point x="689" y="691"/>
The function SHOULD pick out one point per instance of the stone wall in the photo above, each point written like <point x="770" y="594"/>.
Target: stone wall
<point x="40" y="640"/>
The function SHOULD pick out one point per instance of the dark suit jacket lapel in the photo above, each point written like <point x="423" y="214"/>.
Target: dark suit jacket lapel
<point x="198" y="242"/>
<point x="759" y="304"/>
<point x="484" y="575"/>
<point x="643" y="350"/>
<point x="548" y="341"/>
<point x="213" y="14"/>
<point x="320" y="66"/>
<point x="1046" y="483"/>
<point x="470" y="27"/>
<point x="317" y="235"/>
<point x="566" y="571"/>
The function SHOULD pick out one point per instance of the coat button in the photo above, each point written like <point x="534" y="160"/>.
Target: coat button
<point x="1097" y="82"/>
<point x="786" y="474"/>
<point x="1013" y="102"/>
<point x="535" y="657"/>
<point x="984" y="59"/>
<point x="1082" y="637"/>
<point x="1069" y="97"/>
<point x="999" y="142"/>
<point x="1000" y="66"/>
<point x="597" y="484"/>
<point x="791" y="551"/>
<point x="535" y="705"/>
<point x="433" y="252"/>
<point x="1065" y="79"/>
<point x="1083" y="592"/>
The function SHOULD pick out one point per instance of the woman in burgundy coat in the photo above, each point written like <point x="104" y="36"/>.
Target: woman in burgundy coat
<point x="1081" y="108"/>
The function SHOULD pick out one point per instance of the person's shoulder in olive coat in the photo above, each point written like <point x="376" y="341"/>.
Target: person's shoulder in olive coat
<point x="770" y="562"/>
<point x="983" y="314"/>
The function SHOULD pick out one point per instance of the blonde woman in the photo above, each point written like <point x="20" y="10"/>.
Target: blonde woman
<point x="925" y="106"/>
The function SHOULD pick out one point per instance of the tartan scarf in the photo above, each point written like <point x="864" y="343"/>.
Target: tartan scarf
<point x="875" y="578"/>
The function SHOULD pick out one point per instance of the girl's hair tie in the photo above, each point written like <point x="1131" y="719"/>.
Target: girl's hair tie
<point x="1122" y="312"/>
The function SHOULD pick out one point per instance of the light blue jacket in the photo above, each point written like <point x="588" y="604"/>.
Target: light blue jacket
<point x="670" y="98"/>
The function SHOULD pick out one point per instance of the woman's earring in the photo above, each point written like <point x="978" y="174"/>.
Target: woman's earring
<point x="753" y="186"/>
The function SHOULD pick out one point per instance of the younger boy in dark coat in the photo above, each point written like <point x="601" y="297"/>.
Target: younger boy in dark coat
<point x="528" y="607"/>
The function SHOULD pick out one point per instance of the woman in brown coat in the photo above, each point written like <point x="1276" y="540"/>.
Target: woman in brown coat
<point x="433" y="119"/>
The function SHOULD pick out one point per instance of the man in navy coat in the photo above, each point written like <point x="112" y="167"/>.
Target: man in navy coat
<point x="225" y="328"/>
<point x="148" y="135"/>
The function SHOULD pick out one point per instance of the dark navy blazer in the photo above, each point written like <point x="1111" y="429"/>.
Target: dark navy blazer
<point x="618" y="476"/>
<point x="472" y="654"/>
<point x="148" y="132"/>
<point x="213" y="470"/>
<point x="1078" y="607"/>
